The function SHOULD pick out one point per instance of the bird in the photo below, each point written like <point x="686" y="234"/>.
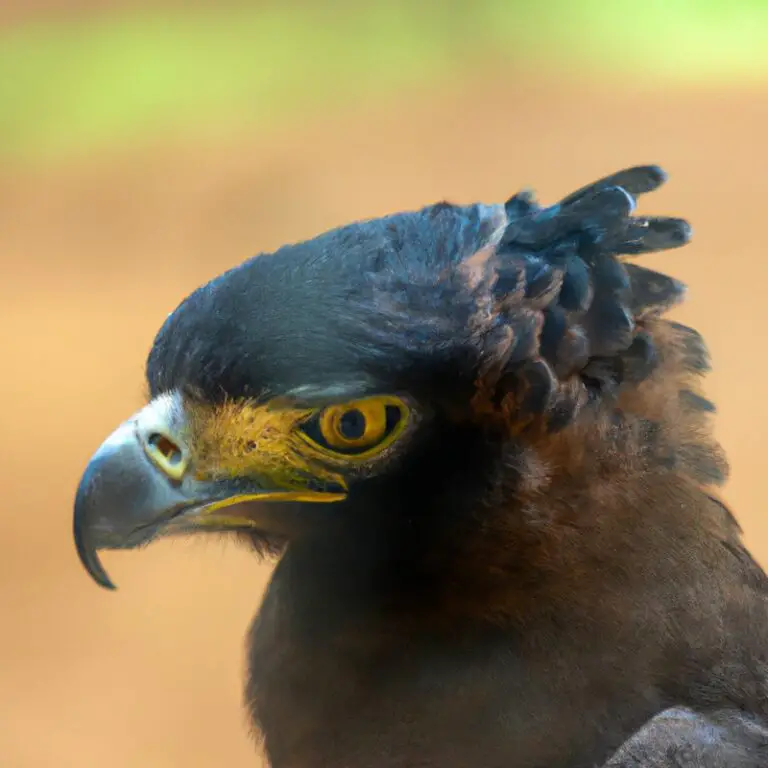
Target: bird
<point x="479" y="451"/>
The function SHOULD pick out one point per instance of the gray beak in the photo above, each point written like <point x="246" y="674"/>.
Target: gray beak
<point x="122" y="497"/>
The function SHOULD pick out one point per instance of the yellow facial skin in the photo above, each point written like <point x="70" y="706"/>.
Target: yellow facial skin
<point x="179" y="465"/>
<point x="234" y="440"/>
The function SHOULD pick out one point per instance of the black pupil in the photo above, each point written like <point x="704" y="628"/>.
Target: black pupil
<point x="352" y="425"/>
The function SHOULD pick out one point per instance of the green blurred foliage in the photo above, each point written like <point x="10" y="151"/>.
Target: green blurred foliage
<point x="114" y="79"/>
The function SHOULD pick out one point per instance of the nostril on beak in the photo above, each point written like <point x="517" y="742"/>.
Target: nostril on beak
<point x="166" y="454"/>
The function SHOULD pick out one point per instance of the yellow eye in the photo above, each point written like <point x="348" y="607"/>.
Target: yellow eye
<point x="359" y="428"/>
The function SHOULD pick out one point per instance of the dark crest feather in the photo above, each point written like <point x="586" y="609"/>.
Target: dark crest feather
<point x="565" y="263"/>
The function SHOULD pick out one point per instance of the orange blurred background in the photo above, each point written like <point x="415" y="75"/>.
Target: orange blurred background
<point x="107" y="222"/>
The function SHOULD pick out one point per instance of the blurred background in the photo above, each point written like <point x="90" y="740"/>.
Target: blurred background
<point x="145" y="148"/>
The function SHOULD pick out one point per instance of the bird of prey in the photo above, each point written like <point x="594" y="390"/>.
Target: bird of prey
<point x="479" y="449"/>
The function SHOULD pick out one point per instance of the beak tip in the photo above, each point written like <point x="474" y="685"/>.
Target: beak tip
<point x="106" y="584"/>
<point x="102" y="579"/>
<point x="86" y="551"/>
<point x="91" y="562"/>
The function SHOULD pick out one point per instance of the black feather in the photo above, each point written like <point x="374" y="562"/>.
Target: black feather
<point x="576" y="291"/>
<point x="696" y="402"/>
<point x="638" y="180"/>
<point x="652" y="292"/>
<point x="695" y="352"/>
<point x="639" y="360"/>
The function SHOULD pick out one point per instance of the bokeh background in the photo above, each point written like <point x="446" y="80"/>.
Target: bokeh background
<point x="146" y="148"/>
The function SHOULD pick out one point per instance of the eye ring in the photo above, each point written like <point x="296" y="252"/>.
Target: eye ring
<point x="357" y="429"/>
<point x="355" y="426"/>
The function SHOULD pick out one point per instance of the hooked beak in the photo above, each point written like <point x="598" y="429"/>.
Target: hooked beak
<point x="140" y="484"/>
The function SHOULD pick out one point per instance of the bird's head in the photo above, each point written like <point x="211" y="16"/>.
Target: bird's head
<point x="376" y="373"/>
